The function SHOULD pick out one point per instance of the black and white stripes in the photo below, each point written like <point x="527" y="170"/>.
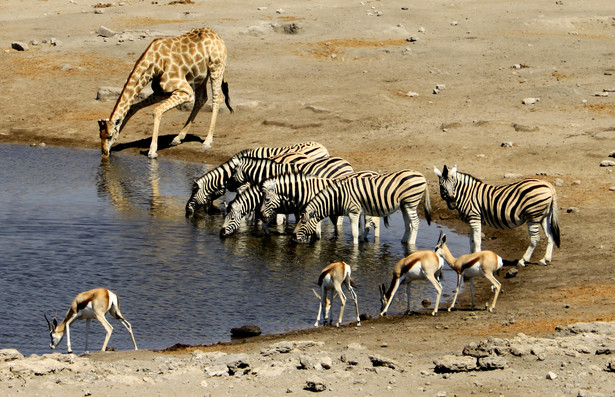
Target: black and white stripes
<point x="530" y="201"/>
<point x="379" y="195"/>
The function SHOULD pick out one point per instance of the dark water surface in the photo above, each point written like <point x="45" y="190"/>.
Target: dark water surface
<point x="69" y="223"/>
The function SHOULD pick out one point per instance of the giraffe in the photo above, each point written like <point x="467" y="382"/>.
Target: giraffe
<point x="178" y="69"/>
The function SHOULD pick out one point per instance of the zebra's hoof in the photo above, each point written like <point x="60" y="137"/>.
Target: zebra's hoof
<point x="544" y="262"/>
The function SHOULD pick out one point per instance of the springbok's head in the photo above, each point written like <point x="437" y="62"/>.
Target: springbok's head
<point x="448" y="185"/>
<point x="55" y="336"/>
<point x="441" y="243"/>
<point x="109" y="132"/>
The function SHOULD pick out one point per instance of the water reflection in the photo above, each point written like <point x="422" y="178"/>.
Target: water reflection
<point x="70" y="223"/>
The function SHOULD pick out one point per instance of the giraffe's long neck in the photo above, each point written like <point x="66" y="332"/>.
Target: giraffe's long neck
<point x="141" y="75"/>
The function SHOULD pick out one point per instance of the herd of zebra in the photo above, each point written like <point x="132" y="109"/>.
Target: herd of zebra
<point x="304" y="180"/>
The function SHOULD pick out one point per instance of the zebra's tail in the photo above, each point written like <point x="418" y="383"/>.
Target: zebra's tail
<point x="386" y="222"/>
<point x="427" y="205"/>
<point x="554" y="221"/>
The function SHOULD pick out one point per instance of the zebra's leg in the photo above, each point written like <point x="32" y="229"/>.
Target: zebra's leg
<point x="411" y="220"/>
<point x="546" y="226"/>
<point x="318" y="231"/>
<point x="534" y="231"/>
<point x="375" y="221"/>
<point x="354" y="226"/>
<point x="475" y="238"/>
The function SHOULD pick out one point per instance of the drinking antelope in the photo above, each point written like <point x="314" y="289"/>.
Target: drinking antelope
<point x="416" y="266"/>
<point x="331" y="280"/>
<point x="471" y="265"/>
<point x="87" y="306"/>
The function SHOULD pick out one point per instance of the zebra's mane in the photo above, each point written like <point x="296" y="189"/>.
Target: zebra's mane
<point x="471" y="177"/>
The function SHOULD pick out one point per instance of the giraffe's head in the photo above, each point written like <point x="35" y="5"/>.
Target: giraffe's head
<point x="109" y="132"/>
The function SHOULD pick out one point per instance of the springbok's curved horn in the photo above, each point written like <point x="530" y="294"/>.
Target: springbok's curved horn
<point x="48" y="323"/>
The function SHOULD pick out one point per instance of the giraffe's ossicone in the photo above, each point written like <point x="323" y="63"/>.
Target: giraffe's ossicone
<point x="178" y="69"/>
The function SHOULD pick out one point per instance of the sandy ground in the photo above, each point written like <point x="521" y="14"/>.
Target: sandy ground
<point x="340" y="73"/>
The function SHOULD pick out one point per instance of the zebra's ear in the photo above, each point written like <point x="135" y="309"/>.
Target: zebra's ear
<point x="453" y="171"/>
<point x="437" y="172"/>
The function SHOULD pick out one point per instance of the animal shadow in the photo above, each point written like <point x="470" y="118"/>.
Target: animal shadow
<point x="164" y="142"/>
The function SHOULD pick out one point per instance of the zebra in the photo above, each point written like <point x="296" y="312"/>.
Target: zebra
<point x="246" y="201"/>
<point x="256" y="171"/>
<point x="212" y="184"/>
<point x="379" y="195"/>
<point x="295" y="190"/>
<point x="504" y="207"/>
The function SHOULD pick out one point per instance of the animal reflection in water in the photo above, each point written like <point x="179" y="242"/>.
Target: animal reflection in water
<point x="117" y="181"/>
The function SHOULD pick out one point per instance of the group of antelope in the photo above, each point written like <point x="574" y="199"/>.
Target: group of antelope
<point x="164" y="63"/>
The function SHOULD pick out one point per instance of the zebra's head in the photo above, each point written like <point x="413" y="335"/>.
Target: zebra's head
<point x="201" y="196"/>
<point x="232" y="220"/>
<point x="448" y="185"/>
<point x="270" y="201"/>
<point x="236" y="180"/>
<point x="109" y="132"/>
<point x="306" y="226"/>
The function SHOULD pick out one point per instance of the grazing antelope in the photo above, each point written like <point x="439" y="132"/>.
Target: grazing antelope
<point x="471" y="265"/>
<point x="331" y="279"/>
<point x="416" y="266"/>
<point x="87" y="306"/>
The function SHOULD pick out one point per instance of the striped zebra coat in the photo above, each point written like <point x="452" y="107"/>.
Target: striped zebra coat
<point x="212" y="184"/>
<point x="379" y="195"/>
<point x="294" y="191"/>
<point x="530" y="201"/>
<point x="256" y="171"/>
<point x="246" y="201"/>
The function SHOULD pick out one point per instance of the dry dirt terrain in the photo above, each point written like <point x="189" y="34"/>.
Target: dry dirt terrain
<point x="359" y="77"/>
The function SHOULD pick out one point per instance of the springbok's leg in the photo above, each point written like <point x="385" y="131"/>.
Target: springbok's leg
<point x="338" y="288"/>
<point x="395" y="287"/>
<point x="408" y="297"/>
<point x="459" y="278"/>
<point x="472" y="292"/>
<point x="438" y="288"/>
<point x="108" y="328"/>
<point x="497" y="286"/>
<point x="87" y="333"/>
<point x="534" y="231"/>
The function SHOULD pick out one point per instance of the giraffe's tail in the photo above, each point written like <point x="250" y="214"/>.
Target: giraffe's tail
<point x="227" y="98"/>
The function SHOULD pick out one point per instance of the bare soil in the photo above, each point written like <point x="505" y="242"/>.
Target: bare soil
<point x="341" y="78"/>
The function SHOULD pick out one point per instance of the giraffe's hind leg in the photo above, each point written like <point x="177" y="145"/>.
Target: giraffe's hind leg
<point x="217" y="75"/>
<point x="200" y="98"/>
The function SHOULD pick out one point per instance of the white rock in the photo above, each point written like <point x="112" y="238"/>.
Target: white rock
<point x="530" y="101"/>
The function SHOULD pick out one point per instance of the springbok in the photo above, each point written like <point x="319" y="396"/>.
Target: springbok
<point x="88" y="305"/>
<point x="417" y="266"/>
<point x="471" y="265"/>
<point x="331" y="280"/>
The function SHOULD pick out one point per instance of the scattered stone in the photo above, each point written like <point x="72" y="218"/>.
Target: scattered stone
<point x="491" y="362"/>
<point x="280" y="11"/>
<point x="33" y="42"/>
<point x="216" y="370"/>
<point x="577" y="182"/>
<point x="506" y="144"/>
<point x="530" y="101"/>
<point x="572" y="210"/>
<point x="512" y="273"/>
<point x="307" y="362"/>
<point x="412" y="39"/>
<point x="551" y="376"/>
<point x="54" y="42"/>
<point x="245" y="331"/>
<point x="421" y="30"/>
<point x="612" y="189"/>
<point x="406" y="51"/>
<point x="426" y="302"/>
<point x="558" y="182"/>
<point x="315" y="385"/>
<point x="326" y="362"/>
<point x="379" y="361"/>
<point x="511" y="175"/>
<point x="236" y="364"/>
<point x="601" y="94"/>
<point x="412" y="94"/>
<point x="19" y="46"/>
<point x="476" y="350"/>
<point x="451" y="363"/>
<point x="524" y="128"/>
<point x="612" y="154"/>
<point x="607" y="163"/>
<point x="99" y="11"/>
<point x="105" y="32"/>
